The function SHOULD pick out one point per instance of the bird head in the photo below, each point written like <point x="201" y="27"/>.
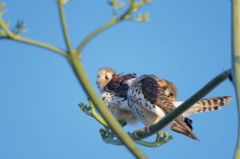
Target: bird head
<point x="169" y="88"/>
<point x="104" y="76"/>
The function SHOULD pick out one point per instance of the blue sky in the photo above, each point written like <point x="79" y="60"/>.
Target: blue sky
<point x="187" y="42"/>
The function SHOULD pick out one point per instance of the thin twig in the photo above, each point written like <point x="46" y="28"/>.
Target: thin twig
<point x="38" y="44"/>
<point x="236" y="63"/>
<point x="102" y="28"/>
<point x="96" y="115"/>
<point x="64" y="25"/>
<point x="4" y="27"/>
<point x="145" y="132"/>
<point x="15" y="37"/>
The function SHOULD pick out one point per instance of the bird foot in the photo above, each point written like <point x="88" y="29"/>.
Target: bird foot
<point x="109" y="137"/>
<point x="163" y="138"/>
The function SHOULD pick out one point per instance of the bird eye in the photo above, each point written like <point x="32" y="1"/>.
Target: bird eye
<point x="106" y="77"/>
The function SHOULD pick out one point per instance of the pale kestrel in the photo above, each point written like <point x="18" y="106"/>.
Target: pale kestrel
<point x="150" y="102"/>
<point x="115" y="89"/>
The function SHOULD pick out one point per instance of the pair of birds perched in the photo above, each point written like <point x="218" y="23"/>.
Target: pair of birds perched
<point x="148" y="99"/>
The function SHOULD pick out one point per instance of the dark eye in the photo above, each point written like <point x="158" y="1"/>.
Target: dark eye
<point x="106" y="77"/>
<point x="171" y="94"/>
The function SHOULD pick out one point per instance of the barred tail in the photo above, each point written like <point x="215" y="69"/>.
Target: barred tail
<point x="206" y="105"/>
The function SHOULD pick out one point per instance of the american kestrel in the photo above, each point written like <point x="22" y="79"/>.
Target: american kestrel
<point x="150" y="102"/>
<point x="115" y="87"/>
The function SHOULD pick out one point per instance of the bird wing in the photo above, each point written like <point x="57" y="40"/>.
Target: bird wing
<point x="119" y="85"/>
<point x="149" y="87"/>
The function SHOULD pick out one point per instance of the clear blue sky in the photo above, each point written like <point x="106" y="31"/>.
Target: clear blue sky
<point x="187" y="42"/>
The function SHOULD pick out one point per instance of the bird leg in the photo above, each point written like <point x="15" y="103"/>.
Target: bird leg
<point x="163" y="137"/>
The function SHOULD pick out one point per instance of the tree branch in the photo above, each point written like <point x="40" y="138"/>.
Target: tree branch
<point x="145" y="132"/>
<point x="236" y="63"/>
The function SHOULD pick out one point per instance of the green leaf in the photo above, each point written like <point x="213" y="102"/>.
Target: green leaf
<point x="20" y="28"/>
<point x="116" y="4"/>
<point x="147" y="1"/>
<point x="145" y="17"/>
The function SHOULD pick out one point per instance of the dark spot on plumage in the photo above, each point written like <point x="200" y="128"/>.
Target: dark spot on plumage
<point x="199" y="110"/>
<point x="137" y="111"/>
<point x="215" y="101"/>
<point x="146" y="104"/>
<point x="103" y="98"/>
<point x="209" y="102"/>
<point x="204" y="109"/>
<point x="221" y="102"/>
<point x="188" y="122"/>
<point x="215" y="108"/>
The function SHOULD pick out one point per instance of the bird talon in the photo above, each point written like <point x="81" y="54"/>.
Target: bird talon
<point x="163" y="138"/>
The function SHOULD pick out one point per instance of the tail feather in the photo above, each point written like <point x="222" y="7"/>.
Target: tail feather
<point x="180" y="129"/>
<point x="206" y="105"/>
